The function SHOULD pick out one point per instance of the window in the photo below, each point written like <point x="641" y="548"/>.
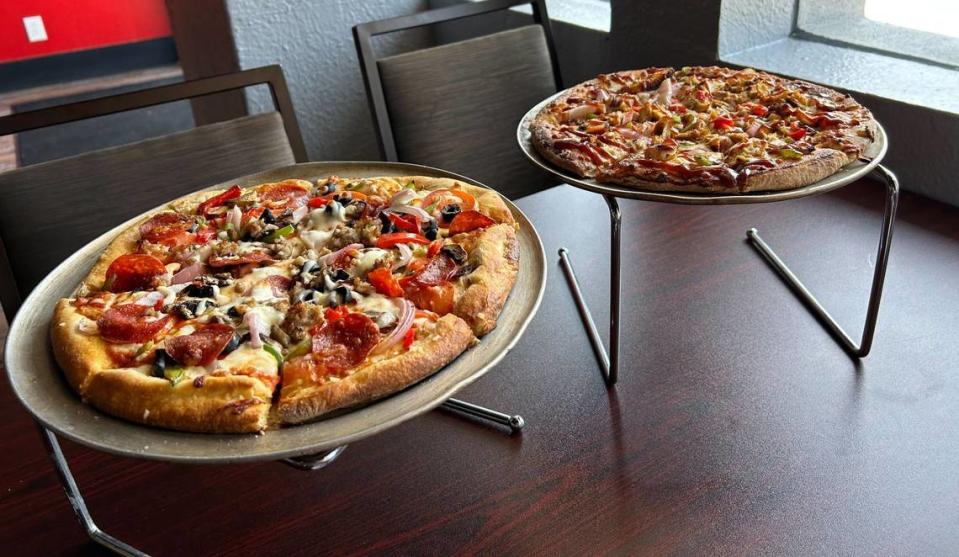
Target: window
<point x="920" y="30"/>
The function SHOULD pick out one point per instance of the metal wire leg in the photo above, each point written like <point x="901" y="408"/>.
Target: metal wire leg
<point x="314" y="461"/>
<point x="856" y="350"/>
<point x="609" y="363"/>
<point x="76" y="499"/>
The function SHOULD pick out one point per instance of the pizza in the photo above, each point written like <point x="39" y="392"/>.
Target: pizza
<point x="252" y="308"/>
<point x="702" y="129"/>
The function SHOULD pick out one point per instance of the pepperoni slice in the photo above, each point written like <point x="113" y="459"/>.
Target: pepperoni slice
<point x="345" y="342"/>
<point x="440" y="269"/>
<point x="133" y="271"/>
<point x="128" y="323"/>
<point x="166" y="218"/>
<point x="283" y="195"/>
<point x="280" y="284"/>
<point x="201" y="347"/>
<point x="255" y="257"/>
<point x="468" y="221"/>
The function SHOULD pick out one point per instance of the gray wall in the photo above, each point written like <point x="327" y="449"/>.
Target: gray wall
<point x="313" y="41"/>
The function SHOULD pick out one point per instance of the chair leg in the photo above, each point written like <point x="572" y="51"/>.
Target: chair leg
<point x="76" y="499"/>
<point x="609" y="363"/>
<point x="861" y="349"/>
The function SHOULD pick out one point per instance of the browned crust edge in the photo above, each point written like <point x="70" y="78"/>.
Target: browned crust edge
<point x="496" y="256"/>
<point x="375" y="380"/>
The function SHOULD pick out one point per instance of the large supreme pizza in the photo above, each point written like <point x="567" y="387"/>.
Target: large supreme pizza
<point x="702" y="129"/>
<point x="244" y="309"/>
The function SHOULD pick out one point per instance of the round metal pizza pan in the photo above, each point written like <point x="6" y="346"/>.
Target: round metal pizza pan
<point x="849" y="173"/>
<point x="39" y="384"/>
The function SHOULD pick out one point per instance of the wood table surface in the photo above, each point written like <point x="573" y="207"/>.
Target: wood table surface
<point x="738" y="427"/>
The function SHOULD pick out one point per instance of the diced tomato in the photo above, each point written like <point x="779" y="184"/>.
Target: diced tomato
<point x="796" y="132"/>
<point x="253" y="214"/>
<point x="438" y="299"/>
<point x="406" y="223"/>
<point x="317" y="202"/>
<point x="204" y="235"/>
<point x="383" y="281"/>
<point x="218" y="200"/>
<point x="468" y="221"/>
<point x="443" y="197"/>
<point x="133" y="271"/>
<point x="387" y="241"/>
<point x="283" y="195"/>
<point x="339" y="312"/>
<point x="409" y="337"/>
<point x="758" y="109"/>
<point x="434" y="248"/>
<point x="129" y="323"/>
<point x="679" y="108"/>
<point x="722" y="122"/>
<point x="701" y="94"/>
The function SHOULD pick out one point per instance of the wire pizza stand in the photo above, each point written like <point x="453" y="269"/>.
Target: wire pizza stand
<point x="38" y="383"/>
<point x="610" y="361"/>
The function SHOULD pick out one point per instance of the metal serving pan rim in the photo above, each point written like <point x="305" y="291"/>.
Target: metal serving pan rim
<point x="50" y="400"/>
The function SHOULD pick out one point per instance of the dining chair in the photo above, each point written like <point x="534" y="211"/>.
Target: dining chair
<point x="51" y="209"/>
<point x="456" y="106"/>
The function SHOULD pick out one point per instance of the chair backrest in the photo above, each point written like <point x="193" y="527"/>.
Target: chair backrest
<point x="456" y="106"/>
<point x="49" y="210"/>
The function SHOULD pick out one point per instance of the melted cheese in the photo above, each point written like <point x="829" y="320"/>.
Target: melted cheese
<point x="367" y="259"/>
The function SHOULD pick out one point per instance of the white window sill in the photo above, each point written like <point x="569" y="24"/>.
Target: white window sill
<point x="856" y="71"/>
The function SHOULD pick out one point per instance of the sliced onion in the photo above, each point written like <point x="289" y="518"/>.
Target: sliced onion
<point x="665" y="92"/>
<point x="236" y="217"/>
<point x="628" y="133"/>
<point x="403" y="324"/>
<point x="150" y="299"/>
<point x="188" y="273"/>
<point x="577" y="113"/>
<point x="411" y="210"/>
<point x="402" y="197"/>
<point x="753" y="129"/>
<point x="330" y="257"/>
<point x="255" y="323"/>
<point x="405" y="255"/>
<point x="299" y="213"/>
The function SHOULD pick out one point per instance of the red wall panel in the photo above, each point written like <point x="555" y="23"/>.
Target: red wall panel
<point x="79" y="25"/>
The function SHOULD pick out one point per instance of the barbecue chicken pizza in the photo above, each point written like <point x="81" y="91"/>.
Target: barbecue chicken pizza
<point x="243" y="309"/>
<point x="702" y="129"/>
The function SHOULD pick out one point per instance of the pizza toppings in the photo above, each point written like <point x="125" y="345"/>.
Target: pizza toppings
<point x="133" y="271"/>
<point x="712" y="128"/>
<point x="200" y="347"/>
<point x="130" y="323"/>
<point x="469" y="221"/>
<point x="206" y="208"/>
<point x="313" y="280"/>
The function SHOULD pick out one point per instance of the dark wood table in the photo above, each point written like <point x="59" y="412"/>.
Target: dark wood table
<point x="738" y="425"/>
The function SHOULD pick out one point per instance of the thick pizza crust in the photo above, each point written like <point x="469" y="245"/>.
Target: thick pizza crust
<point x="495" y="252"/>
<point x="216" y="407"/>
<point x="230" y="404"/>
<point x="371" y="381"/>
